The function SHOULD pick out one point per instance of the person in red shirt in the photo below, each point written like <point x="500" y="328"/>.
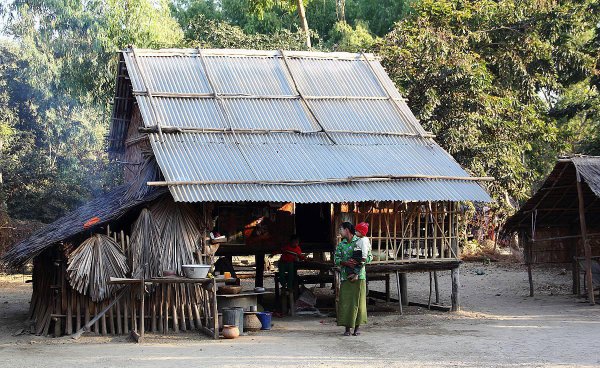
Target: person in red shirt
<point x="290" y="253"/>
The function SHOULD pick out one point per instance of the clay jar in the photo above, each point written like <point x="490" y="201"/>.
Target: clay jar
<point x="230" y="331"/>
<point x="251" y="322"/>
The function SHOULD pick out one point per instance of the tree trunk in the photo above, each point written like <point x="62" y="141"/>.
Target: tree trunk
<point x="304" y="22"/>
<point x="340" y="10"/>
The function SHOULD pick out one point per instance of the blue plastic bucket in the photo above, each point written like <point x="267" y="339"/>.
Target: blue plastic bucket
<point x="265" y="319"/>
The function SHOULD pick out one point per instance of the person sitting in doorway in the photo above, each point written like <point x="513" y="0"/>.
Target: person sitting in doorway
<point x="290" y="253"/>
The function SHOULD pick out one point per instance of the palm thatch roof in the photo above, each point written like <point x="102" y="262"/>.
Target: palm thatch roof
<point x="107" y="208"/>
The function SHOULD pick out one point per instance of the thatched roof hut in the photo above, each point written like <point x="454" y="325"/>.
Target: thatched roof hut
<point x="559" y="223"/>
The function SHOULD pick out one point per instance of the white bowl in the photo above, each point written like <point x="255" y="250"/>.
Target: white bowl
<point x="192" y="271"/>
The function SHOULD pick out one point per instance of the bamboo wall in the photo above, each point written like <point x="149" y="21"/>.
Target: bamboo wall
<point x="56" y="309"/>
<point x="561" y="244"/>
<point x="406" y="232"/>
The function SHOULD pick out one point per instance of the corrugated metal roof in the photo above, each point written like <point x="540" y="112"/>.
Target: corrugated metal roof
<point x="404" y="190"/>
<point x="348" y="118"/>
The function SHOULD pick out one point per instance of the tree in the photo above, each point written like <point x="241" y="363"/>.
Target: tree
<point x="345" y="38"/>
<point x="484" y="75"/>
<point x="208" y="33"/>
<point x="56" y="86"/>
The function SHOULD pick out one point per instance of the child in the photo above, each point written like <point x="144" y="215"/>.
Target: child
<point x="290" y="253"/>
<point x="361" y="250"/>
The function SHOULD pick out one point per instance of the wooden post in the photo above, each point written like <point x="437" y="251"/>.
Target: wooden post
<point x="387" y="287"/>
<point x="215" y="310"/>
<point x="528" y="258"/>
<point x="455" y="290"/>
<point x="400" y="299"/>
<point x="430" y="290"/>
<point x="142" y="312"/>
<point x="586" y="243"/>
<point x="404" y="288"/>
<point x="155" y="300"/>
<point x="174" y="316"/>
<point x="57" y="326"/>
<point x="103" y="321"/>
<point x="119" y="320"/>
<point x="69" y="324"/>
<point x="529" y="271"/>
<point x="111" y="321"/>
<point x="260" y="269"/>
<point x="96" y="324"/>
<point x="77" y="310"/>
<point x="437" y="289"/>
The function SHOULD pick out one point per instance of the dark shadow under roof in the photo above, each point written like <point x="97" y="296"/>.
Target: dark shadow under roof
<point x="556" y="203"/>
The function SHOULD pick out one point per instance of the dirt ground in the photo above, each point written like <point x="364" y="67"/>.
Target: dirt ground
<point x="499" y="326"/>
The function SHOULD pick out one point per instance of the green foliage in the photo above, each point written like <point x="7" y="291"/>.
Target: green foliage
<point x="345" y="38"/>
<point x="379" y="16"/>
<point x="56" y="86"/>
<point x="209" y="33"/>
<point x="483" y="75"/>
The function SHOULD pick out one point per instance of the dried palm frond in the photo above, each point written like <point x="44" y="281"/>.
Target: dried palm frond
<point x="93" y="263"/>
<point x="144" y="247"/>
<point x="149" y="171"/>
<point x="177" y="224"/>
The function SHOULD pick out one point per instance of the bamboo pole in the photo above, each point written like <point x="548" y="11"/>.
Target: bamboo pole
<point x="329" y="181"/>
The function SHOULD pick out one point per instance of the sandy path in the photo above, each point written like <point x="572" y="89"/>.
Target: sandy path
<point x="499" y="326"/>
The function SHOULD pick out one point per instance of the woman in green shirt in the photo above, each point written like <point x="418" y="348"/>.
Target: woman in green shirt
<point x="352" y="305"/>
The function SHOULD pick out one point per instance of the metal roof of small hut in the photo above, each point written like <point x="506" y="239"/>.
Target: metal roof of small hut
<point x="555" y="203"/>
<point x="242" y="125"/>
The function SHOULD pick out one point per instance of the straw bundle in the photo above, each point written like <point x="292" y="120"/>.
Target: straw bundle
<point x="149" y="171"/>
<point x="177" y="224"/>
<point x="144" y="247"/>
<point x="93" y="263"/>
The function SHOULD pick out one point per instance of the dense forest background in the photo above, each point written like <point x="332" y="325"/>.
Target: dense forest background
<point x="506" y="85"/>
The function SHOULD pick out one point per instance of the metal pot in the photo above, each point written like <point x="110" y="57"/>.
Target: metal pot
<point x="195" y="271"/>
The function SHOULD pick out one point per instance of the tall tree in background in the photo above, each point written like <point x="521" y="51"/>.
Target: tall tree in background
<point x="303" y="21"/>
<point x="483" y="76"/>
<point x="57" y="81"/>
